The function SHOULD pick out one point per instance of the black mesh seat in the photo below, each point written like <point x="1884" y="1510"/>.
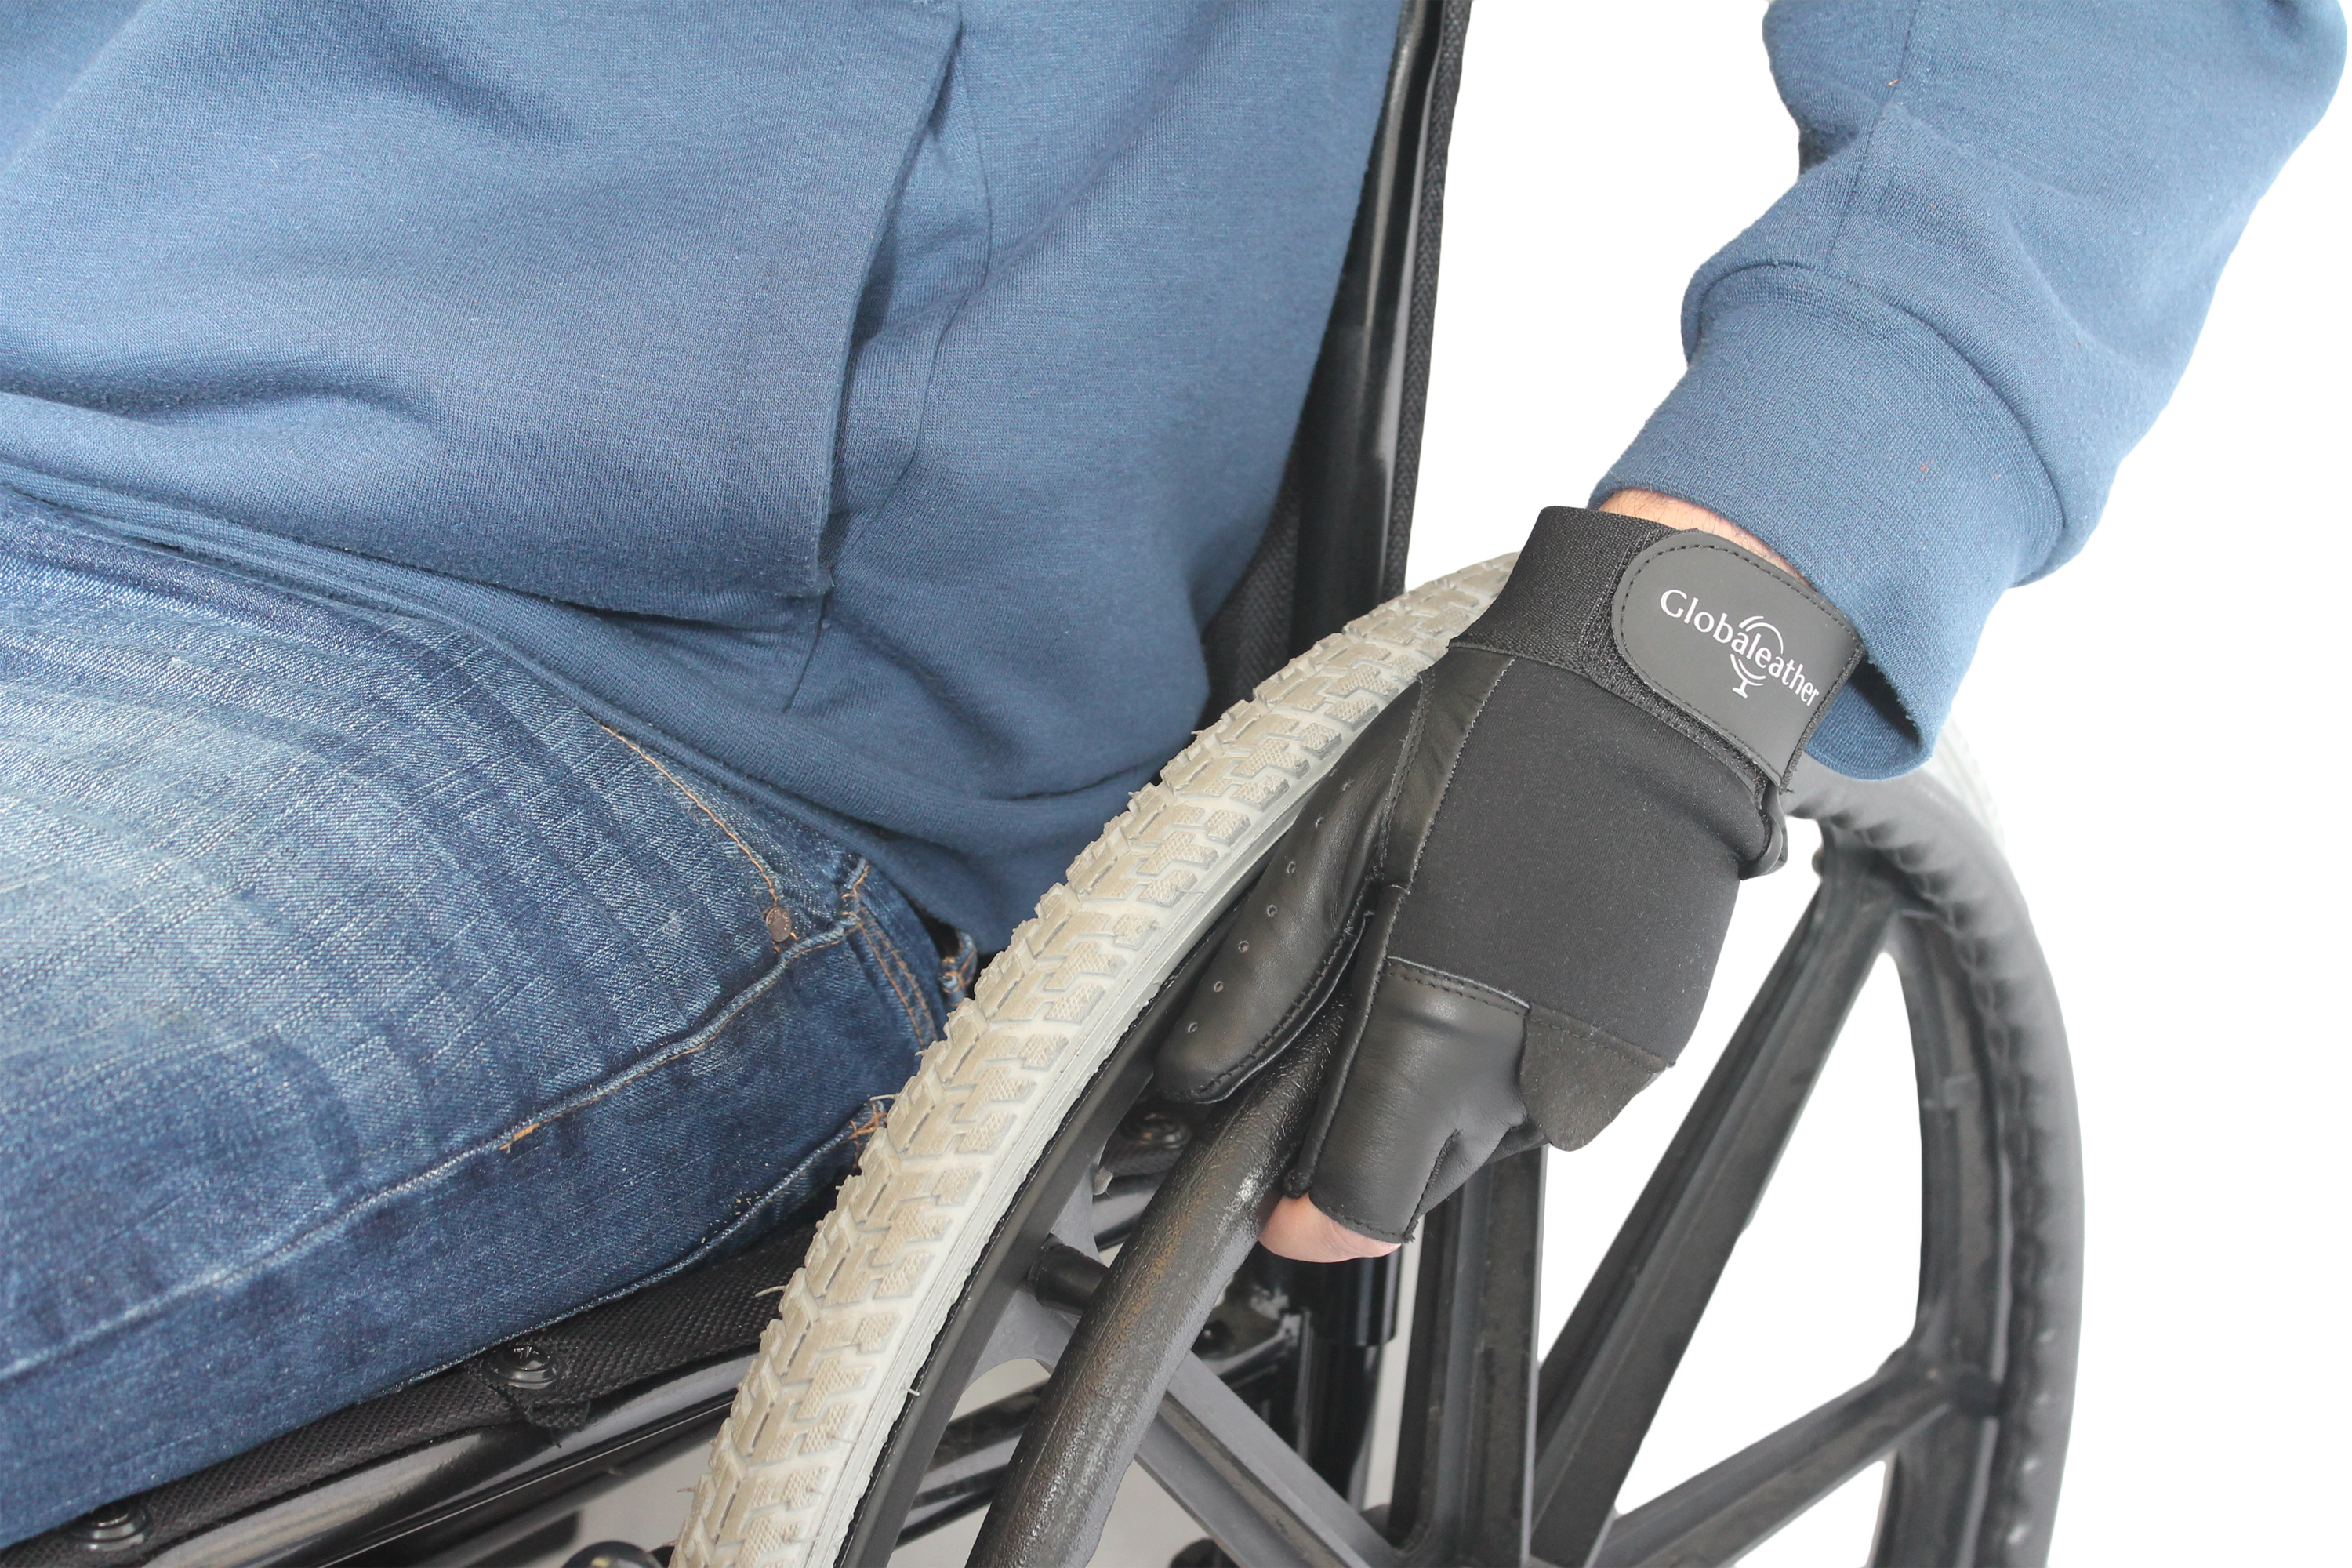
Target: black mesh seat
<point x="476" y="1456"/>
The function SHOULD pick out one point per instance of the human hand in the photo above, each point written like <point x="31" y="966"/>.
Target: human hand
<point x="1520" y="874"/>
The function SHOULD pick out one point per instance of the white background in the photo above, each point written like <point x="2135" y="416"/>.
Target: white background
<point x="2161" y="722"/>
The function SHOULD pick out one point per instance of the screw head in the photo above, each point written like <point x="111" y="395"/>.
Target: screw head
<point x="114" y="1527"/>
<point x="1155" y="1129"/>
<point x="524" y="1365"/>
<point x="617" y="1554"/>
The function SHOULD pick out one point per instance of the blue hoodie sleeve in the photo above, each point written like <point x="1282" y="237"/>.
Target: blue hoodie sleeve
<point x="1916" y="374"/>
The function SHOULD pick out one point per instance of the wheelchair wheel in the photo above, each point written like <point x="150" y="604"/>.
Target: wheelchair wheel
<point x="1026" y="1146"/>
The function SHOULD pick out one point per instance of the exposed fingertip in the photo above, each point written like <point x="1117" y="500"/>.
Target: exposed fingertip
<point x="1303" y="1233"/>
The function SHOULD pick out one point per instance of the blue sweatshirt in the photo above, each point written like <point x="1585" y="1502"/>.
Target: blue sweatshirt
<point x="870" y="399"/>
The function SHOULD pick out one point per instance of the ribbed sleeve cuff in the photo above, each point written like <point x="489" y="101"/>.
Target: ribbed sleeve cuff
<point x="1856" y="442"/>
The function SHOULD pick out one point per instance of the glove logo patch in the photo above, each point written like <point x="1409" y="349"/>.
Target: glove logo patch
<point x="1758" y="653"/>
<point x="1692" y="610"/>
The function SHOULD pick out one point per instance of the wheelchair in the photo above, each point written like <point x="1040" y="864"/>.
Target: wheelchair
<point x="1029" y="1203"/>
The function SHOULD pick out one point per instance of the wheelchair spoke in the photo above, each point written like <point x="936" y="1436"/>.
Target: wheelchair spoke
<point x="1605" y="1375"/>
<point x="968" y="1464"/>
<point x="1249" y="1489"/>
<point x="1722" y="1513"/>
<point x="1029" y="1329"/>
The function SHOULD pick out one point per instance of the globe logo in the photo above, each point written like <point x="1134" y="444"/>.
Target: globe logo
<point x="1763" y="647"/>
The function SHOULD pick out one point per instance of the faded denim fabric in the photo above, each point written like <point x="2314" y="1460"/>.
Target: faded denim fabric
<point x="364" y="1003"/>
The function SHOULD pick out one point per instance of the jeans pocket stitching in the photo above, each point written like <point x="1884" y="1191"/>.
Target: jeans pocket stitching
<point x="895" y="972"/>
<point x="777" y="921"/>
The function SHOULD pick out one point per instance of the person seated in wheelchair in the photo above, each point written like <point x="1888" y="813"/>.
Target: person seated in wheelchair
<point x="566" y="570"/>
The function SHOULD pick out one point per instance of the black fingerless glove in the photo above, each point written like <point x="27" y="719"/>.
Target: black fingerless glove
<point x="1523" y="870"/>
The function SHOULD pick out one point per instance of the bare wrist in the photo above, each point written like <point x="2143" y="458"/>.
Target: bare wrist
<point x="1652" y="506"/>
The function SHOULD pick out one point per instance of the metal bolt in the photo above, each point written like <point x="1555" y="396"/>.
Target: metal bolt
<point x="617" y="1554"/>
<point x="1155" y="1129"/>
<point x="116" y="1525"/>
<point x="524" y="1366"/>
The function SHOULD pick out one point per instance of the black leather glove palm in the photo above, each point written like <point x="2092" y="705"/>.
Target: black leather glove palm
<point x="1523" y="870"/>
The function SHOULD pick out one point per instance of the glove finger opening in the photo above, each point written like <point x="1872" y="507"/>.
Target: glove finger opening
<point x="1418" y="1100"/>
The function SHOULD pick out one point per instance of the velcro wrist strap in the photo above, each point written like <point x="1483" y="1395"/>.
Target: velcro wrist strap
<point x="1710" y="639"/>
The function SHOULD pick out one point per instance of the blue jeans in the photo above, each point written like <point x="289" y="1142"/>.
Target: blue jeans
<point x="364" y="1003"/>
